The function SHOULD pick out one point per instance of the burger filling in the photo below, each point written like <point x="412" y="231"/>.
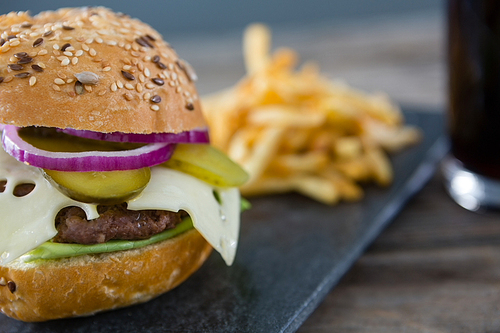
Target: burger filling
<point x="114" y="222"/>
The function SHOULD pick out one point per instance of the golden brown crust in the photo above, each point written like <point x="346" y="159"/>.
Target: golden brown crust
<point x="74" y="40"/>
<point x="84" y="285"/>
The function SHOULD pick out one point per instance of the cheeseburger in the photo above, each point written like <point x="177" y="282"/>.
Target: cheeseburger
<point x="110" y="192"/>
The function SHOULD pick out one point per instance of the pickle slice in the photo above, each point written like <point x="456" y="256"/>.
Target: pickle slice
<point x="105" y="187"/>
<point x="208" y="164"/>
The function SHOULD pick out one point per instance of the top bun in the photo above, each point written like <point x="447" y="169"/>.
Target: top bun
<point x="93" y="69"/>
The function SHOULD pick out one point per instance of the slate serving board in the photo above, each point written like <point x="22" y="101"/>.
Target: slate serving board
<point x="292" y="252"/>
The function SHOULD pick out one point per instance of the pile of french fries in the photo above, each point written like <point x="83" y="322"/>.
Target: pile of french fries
<point x="295" y="130"/>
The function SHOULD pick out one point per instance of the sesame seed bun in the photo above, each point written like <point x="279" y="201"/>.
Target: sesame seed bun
<point x="93" y="69"/>
<point x="79" y="286"/>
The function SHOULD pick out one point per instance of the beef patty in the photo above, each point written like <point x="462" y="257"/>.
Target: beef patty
<point x="114" y="222"/>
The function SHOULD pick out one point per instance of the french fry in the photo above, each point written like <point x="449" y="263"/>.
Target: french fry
<point x="256" y="46"/>
<point x="296" y="130"/>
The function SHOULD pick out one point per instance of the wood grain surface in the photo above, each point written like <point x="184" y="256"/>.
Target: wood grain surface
<point x="436" y="268"/>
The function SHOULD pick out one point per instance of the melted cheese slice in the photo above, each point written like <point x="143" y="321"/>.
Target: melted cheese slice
<point x="26" y="222"/>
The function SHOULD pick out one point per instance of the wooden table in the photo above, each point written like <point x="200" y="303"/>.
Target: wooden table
<point x="436" y="268"/>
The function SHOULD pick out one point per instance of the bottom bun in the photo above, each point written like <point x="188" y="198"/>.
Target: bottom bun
<point x="79" y="286"/>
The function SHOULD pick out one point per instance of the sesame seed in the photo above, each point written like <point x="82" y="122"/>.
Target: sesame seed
<point x="74" y="61"/>
<point x="56" y="47"/>
<point x="158" y="81"/>
<point x="12" y="286"/>
<point x="15" y="67"/>
<point x="5" y="48"/>
<point x="25" y="60"/>
<point x="65" y="62"/>
<point x="69" y="81"/>
<point x="71" y="93"/>
<point x="56" y="87"/>
<point x="140" y="66"/>
<point x="174" y="76"/>
<point x="47" y="33"/>
<point x="33" y="54"/>
<point x="155" y="107"/>
<point x="156" y="59"/>
<point x="128" y="47"/>
<point x="20" y="55"/>
<point x="143" y="42"/>
<point x="147" y="58"/>
<point x="65" y="46"/>
<point x="92" y="52"/>
<point x="85" y="47"/>
<point x="99" y="40"/>
<point x="61" y="75"/>
<point x="111" y="43"/>
<point x="15" y="43"/>
<point x="102" y="92"/>
<point x="135" y="61"/>
<point x="129" y="86"/>
<point x="147" y="72"/>
<point x="135" y="54"/>
<point x="42" y="52"/>
<point x="142" y="78"/>
<point x="171" y="83"/>
<point x="67" y="38"/>
<point x="3" y="282"/>
<point x="156" y="99"/>
<point x="8" y="79"/>
<point x="128" y="76"/>
<point x="59" y="81"/>
<point x="149" y="85"/>
<point x="128" y="96"/>
<point x="88" y="87"/>
<point x="127" y="67"/>
<point x="32" y="81"/>
<point x="127" y="61"/>
<point x="56" y="53"/>
<point x="79" y="87"/>
<point x="146" y="96"/>
<point x="113" y="87"/>
<point x="37" y="68"/>
<point x="139" y="87"/>
<point x="106" y="69"/>
<point x="79" y="53"/>
<point x="119" y="84"/>
<point x="89" y="41"/>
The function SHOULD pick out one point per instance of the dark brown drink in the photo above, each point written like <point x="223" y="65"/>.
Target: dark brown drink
<point x="474" y="82"/>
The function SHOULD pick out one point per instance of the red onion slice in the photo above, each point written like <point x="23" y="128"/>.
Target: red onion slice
<point x="193" y="136"/>
<point x="146" y="156"/>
